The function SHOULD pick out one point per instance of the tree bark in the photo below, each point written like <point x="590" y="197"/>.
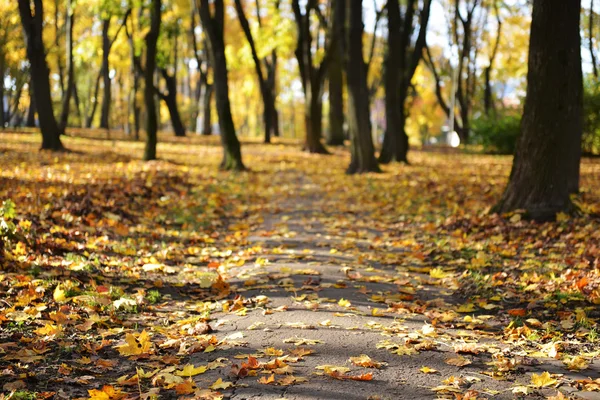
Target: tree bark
<point x="32" y="26"/>
<point x="214" y="25"/>
<point x="546" y="164"/>
<point x="64" y="115"/>
<point x="400" y="63"/>
<point x="591" y="40"/>
<point x="312" y="78"/>
<point x="30" y="119"/>
<point x="359" y="121"/>
<point x="2" y="112"/>
<point x="335" y="134"/>
<point x="265" y="91"/>
<point x="106" y="81"/>
<point x="207" y="110"/>
<point x="170" y="99"/>
<point x="151" y="114"/>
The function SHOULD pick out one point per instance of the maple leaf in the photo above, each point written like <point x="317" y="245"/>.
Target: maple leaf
<point x="106" y="393"/>
<point x="220" y="384"/>
<point x="576" y="363"/>
<point x="428" y="370"/>
<point x="302" y="341"/>
<point x="190" y="370"/>
<point x="365" y="361"/>
<point x="542" y="380"/>
<point x="135" y="344"/>
<point x="459" y="361"/>
<point x="267" y="380"/>
<point x="185" y="387"/>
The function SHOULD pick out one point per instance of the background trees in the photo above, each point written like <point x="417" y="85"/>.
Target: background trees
<point x="294" y="69"/>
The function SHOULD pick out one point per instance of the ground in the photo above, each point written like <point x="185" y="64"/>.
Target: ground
<point x="170" y="279"/>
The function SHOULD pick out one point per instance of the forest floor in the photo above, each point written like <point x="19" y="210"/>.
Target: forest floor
<point x="170" y="279"/>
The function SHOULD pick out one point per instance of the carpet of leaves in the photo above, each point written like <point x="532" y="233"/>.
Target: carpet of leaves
<point x="118" y="270"/>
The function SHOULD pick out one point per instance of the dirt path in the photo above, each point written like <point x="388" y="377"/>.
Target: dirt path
<point x="316" y="290"/>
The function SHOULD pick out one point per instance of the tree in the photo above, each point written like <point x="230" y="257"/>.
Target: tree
<point x="401" y="61"/>
<point x="359" y="121"/>
<point x="266" y="92"/>
<point x="204" y="89"/>
<point x="149" y="91"/>
<point x="546" y="164"/>
<point x="170" y="97"/>
<point x="36" y="54"/>
<point x="213" y="25"/>
<point x="107" y="44"/>
<point x="311" y="75"/>
<point x="462" y="32"/>
<point x="335" y="134"/>
<point x="64" y="114"/>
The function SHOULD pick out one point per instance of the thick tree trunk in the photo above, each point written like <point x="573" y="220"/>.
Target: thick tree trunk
<point x="207" y="110"/>
<point x="106" y="89"/>
<point x="214" y="25"/>
<point x="335" y="134"/>
<point x="64" y="115"/>
<point x="359" y="121"/>
<point x="546" y="164"/>
<point x="150" y="67"/>
<point x="32" y="26"/>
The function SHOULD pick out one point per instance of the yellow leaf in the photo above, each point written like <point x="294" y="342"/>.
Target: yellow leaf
<point x="135" y="344"/>
<point x="438" y="273"/>
<point x="344" y="303"/>
<point x="220" y="384"/>
<point x="365" y="361"/>
<point x="562" y="217"/>
<point x="190" y="370"/>
<point x="576" y="363"/>
<point x="49" y="330"/>
<point x="466" y="308"/>
<point x="542" y="380"/>
<point x="59" y="295"/>
<point x="427" y="370"/>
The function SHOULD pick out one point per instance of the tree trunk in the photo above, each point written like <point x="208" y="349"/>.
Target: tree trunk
<point x="214" y="25"/>
<point x="64" y="115"/>
<point x="32" y="26"/>
<point x="591" y="40"/>
<point x="106" y="90"/>
<point x="2" y="113"/>
<point x="30" y="119"/>
<point x="546" y="164"/>
<point x="170" y="99"/>
<point x="335" y="134"/>
<point x="207" y="110"/>
<point x="265" y="91"/>
<point x="359" y="122"/>
<point x="151" y="114"/>
<point x="311" y="76"/>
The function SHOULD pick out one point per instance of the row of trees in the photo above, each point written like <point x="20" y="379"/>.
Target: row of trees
<point x="329" y="49"/>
